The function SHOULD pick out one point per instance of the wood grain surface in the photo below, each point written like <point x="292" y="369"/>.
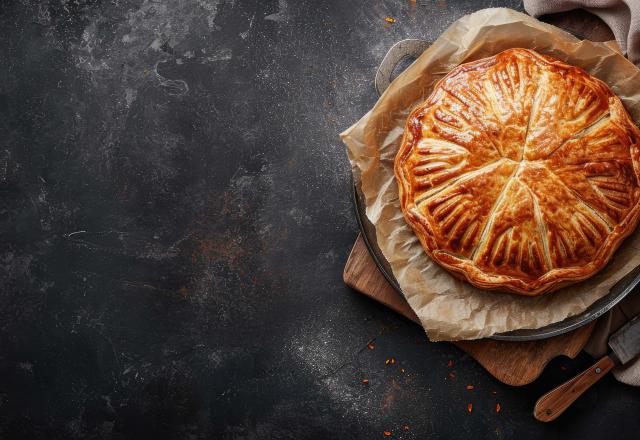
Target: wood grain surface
<point x="513" y="363"/>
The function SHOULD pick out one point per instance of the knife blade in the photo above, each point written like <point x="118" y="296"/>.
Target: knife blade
<point x="625" y="343"/>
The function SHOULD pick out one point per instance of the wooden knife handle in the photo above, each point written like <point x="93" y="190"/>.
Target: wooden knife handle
<point x="556" y="401"/>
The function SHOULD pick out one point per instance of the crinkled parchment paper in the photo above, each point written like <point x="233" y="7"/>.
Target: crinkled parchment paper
<point x="451" y="309"/>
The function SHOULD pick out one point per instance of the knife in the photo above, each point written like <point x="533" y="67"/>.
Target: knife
<point x="624" y="345"/>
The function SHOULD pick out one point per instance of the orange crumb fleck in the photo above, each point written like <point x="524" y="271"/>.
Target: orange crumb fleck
<point x="370" y="346"/>
<point x="390" y="19"/>
<point x="387" y="361"/>
<point x="387" y="433"/>
<point x="450" y="363"/>
<point x="498" y="407"/>
<point x="469" y="407"/>
<point x="452" y="375"/>
<point x="494" y="392"/>
<point x="365" y="381"/>
<point x="405" y="427"/>
<point x="470" y="387"/>
<point x="393" y="361"/>
<point x="402" y="370"/>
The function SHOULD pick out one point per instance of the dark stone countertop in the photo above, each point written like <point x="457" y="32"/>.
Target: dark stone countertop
<point x="176" y="215"/>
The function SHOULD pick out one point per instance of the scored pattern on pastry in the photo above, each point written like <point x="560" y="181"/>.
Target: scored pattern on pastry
<point x="520" y="173"/>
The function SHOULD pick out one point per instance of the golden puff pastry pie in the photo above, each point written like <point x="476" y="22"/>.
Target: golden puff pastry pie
<point x="520" y="173"/>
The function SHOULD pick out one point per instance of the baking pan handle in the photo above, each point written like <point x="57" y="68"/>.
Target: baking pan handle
<point x="410" y="48"/>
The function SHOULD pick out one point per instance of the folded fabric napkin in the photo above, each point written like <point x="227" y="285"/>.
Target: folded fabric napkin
<point x="622" y="16"/>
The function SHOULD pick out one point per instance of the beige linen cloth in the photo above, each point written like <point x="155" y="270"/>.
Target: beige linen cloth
<point x="623" y="17"/>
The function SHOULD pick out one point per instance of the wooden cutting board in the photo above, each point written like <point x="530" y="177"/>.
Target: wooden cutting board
<point x="513" y="363"/>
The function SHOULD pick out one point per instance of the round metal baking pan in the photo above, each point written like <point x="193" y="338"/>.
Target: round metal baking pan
<point x="597" y="309"/>
<point x="411" y="49"/>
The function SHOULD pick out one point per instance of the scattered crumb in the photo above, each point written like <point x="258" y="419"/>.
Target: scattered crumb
<point x="365" y="381"/>
<point x="452" y="375"/>
<point x="390" y="19"/>
<point x="450" y="363"/>
<point x="470" y="387"/>
<point x="498" y="407"/>
<point x="494" y="392"/>
<point x="387" y="433"/>
<point x="469" y="407"/>
<point x="370" y="346"/>
<point x="402" y="370"/>
<point x="405" y="427"/>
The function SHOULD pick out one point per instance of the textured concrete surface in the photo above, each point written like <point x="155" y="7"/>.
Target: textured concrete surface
<point x="175" y="218"/>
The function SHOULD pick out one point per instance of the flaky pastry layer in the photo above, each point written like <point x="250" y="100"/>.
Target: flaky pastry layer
<point x="520" y="173"/>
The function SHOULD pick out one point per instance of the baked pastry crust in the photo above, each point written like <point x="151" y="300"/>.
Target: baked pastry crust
<point x="520" y="173"/>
